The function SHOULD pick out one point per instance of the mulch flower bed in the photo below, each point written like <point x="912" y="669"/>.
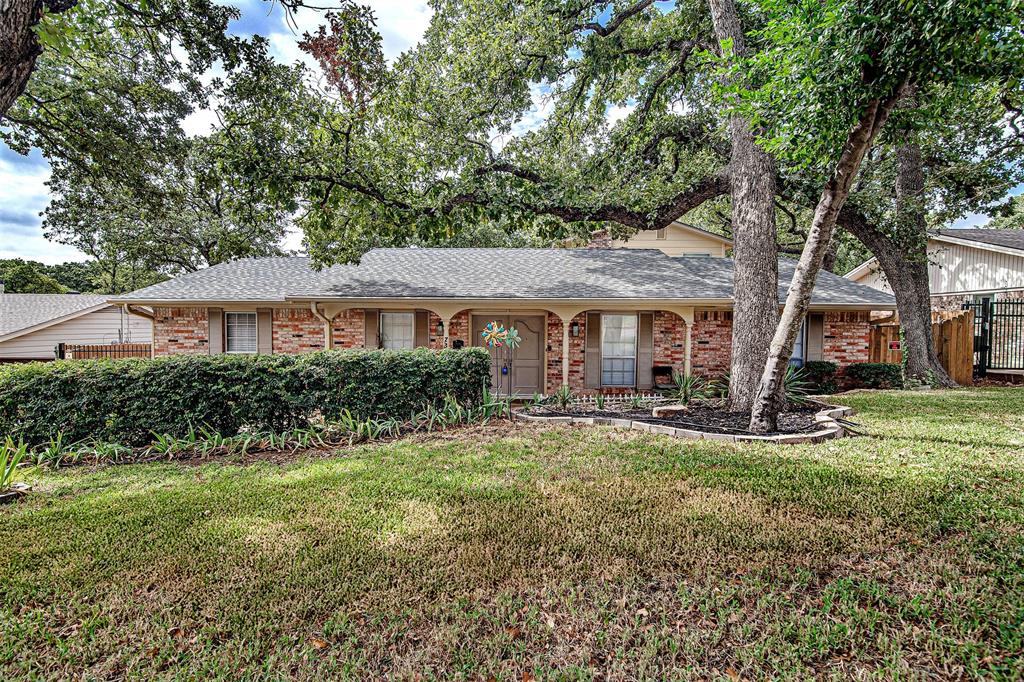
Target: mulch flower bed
<point x="704" y="416"/>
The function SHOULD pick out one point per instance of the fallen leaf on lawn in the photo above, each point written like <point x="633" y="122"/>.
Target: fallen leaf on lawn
<point x="528" y="676"/>
<point x="642" y="613"/>
<point x="733" y="675"/>
<point x="319" y="643"/>
<point x="176" y="633"/>
<point x="551" y="622"/>
<point x="514" y="633"/>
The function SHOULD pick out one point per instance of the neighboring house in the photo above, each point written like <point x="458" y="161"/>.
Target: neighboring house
<point x="593" y="318"/>
<point x="964" y="266"/>
<point x="32" y="325"/>
<point x="678" y="239"/>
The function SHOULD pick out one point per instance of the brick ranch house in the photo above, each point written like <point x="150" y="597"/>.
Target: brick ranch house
<point x="597" y="319"/>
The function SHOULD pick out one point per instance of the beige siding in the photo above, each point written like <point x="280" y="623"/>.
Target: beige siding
<point x="103" y="326"/>
<point x="678" y="241"/>
<point x="957" y="268"/>
<point x="874" y="278"/>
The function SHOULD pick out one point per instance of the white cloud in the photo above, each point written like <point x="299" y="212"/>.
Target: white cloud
<point x="293" y="240"/>
<point x="616" y="113"/>
<point x="23" y="195"/>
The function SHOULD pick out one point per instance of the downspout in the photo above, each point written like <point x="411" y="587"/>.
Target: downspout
<point x="328" y="341"/>
<point x="142" y="312"/>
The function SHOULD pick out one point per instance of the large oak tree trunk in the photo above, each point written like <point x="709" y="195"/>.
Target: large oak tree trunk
<point x="906" y="268"/>
<point x="755" y="254"/>
<point x="912" y="277"/>
<point x="767" y="403"/>
<point x="19" y="45"/>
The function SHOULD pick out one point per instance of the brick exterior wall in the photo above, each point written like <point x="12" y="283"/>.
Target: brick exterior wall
<point x="347" y="329"/>
<point x="847" y="337"/>
<point x="669" y="342"/>
<point x="296" y="331"/>
<point x="181" y="331"/>
<point x="669" y="349"/>
<point x="712" y="343"/>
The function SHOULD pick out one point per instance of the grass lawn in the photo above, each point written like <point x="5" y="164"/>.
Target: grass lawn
<point x="518" y="553"/>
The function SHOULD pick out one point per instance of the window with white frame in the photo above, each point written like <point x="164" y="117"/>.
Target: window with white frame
<point x="618" y="350"/>
<point x="240" y="332"/>
<point x="398" y="330"/>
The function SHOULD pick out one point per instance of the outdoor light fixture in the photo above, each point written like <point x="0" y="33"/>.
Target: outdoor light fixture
<point x="574" y="328"/>
<point x="440" y="328"/>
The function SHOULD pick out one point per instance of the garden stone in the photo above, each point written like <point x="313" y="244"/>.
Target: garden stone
<point x="669" y="411"/>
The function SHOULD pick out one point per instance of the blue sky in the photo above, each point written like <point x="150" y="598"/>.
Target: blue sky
<point x="23" y="191"/>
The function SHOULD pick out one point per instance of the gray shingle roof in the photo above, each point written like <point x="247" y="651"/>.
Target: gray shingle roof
<point x="525" y="274"/>
<point x="1010" y="239"/>
<point x="248" y="279"/>
<point x="21" y="311"/>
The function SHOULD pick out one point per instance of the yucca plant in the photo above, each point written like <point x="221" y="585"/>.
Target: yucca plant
<point x="795" y="385"/>
<point x="11" y="454"/>
<point x="53" y="452"/>
<point x="563" y="397"/>
<point x="686" y="388"/>
<point x="106" y="452"/>
<point x="165" y="445"/>
<point x="599" y="401"/>
<point x="719" y="388"/>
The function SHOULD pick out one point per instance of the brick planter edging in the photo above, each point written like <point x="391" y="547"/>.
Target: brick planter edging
<point x="826" y="418"/>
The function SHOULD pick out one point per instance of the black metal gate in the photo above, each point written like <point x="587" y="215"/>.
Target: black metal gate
<point x="998" y="334"/>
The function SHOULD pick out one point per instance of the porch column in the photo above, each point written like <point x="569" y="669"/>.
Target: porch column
<point x="565" y="352"/>
<point x="446" y="312"/>
<point x="328" y="335"/>
<point x="689" y="348"/>
<point x="686" y="313"/>
<point x="565" y="314"/>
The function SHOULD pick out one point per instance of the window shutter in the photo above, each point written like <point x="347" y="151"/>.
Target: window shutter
<point x="264" y="331"/>
<point x="645" y="351"/>
<point x="421" y="335"/>
<point x="592" y="359"/>
<point x="371" y="328"/>
<point x="215" y="342"/>
<point x="815" y="336"/>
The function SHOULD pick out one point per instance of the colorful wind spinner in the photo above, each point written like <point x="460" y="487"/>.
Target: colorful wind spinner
<point x="512" y="338"/>
<point x="494" y="334"/>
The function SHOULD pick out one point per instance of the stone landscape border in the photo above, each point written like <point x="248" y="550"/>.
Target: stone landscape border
<point x="826" y="419"/>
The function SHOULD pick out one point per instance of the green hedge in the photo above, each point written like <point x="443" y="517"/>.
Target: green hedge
<point x="874" y="375"/>
<point x="126" y="401"/>
<point x="821" y="375"/>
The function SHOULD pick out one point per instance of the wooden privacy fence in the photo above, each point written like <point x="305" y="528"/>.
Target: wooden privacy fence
<point x="94" y="351"/>
<point x="952" y="334"/>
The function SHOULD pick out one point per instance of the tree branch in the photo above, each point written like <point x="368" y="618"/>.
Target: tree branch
<point x="616" y="22"/>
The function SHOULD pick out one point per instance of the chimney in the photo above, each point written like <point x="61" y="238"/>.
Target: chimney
<point x="600" y="239"/>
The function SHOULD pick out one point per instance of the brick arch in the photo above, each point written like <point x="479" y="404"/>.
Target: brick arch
<point x="458" y="329"/>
